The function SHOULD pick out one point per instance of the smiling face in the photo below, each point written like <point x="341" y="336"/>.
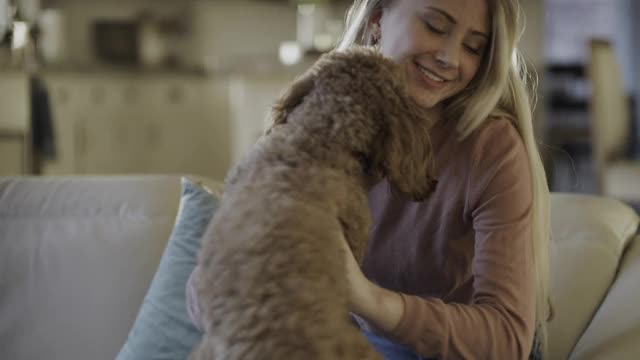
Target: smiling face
<point x="439" y="44"/>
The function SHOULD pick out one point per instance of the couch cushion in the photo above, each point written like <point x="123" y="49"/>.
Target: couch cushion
<point x="614" y="332"/>
<point x="163" y="329"/>
<point x="589" y="235"/>
<point x="76" y="258"/>
<point x="621" y="180"/>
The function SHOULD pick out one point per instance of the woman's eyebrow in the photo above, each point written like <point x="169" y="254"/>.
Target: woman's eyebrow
<point x="481" y="34"/>
<point x="452" y="20"/>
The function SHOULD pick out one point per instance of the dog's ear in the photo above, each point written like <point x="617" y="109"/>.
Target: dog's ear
<point x="291" y="98"/>
<point x="407" y="155"/>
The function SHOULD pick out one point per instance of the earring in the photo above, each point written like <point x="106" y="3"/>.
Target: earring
<point x="375" y="30"/>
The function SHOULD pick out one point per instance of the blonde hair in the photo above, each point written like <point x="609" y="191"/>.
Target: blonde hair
<point x="502" y="87"/>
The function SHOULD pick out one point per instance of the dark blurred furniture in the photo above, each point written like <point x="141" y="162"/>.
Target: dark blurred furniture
<point x="617" y="173"/>
<point x="569" y="154"/>
<point x="568" y="150"/>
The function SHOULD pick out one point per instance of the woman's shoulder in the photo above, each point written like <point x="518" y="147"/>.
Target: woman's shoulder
<point x="497" y="148"/>
<point x="499" y="161"/>
<point x="498" y="128"/>
<point x="496" y="138"/>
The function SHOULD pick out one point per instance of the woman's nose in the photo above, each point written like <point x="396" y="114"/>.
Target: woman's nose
<point x="448" y="56"/>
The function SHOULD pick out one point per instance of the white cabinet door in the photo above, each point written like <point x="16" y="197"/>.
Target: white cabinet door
<point x="251" y="98"/>
<point x="113" y="142"/>
<point x="14" y="101"/>
<point x="158" y="125"/>
<point x="71" y="104"/>
<point x="12" y="154"/>
<point x="14" y="123"/>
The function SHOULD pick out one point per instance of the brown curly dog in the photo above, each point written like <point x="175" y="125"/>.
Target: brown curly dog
<point x="272" y="279"/>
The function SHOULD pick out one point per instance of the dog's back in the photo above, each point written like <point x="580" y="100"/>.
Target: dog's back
<point x="273" y="276"/>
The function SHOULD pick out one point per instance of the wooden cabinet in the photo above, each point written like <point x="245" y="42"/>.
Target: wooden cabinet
<point x="140" y="124"/>
<point x="154" y="123"/>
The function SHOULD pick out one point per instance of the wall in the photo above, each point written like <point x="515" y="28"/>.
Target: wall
<point x="78" y="15"/>
<point x="570" y="23"/>
<point x="218" y="30"/>
<point x="239" y="30"/>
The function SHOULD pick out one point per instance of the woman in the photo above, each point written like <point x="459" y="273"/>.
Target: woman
<point x="465" y="273"/>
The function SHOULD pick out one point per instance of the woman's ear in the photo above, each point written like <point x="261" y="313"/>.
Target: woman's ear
<point x="291" y="98"/>
<point x="374" y="25"/>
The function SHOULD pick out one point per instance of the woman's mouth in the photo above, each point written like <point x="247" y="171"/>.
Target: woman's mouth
<point x="431" y="77"/>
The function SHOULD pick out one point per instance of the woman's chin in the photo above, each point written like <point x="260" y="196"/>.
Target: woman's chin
<point x="426" y="101"/>
<point x="424" y="98"/>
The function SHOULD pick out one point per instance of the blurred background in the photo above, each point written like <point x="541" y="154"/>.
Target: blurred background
<point x="183" y="86"/>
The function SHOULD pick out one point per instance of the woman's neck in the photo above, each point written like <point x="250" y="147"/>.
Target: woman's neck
<point x="435" y="112"/>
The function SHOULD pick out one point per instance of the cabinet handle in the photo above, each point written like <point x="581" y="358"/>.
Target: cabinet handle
<point x="80" y="145"/>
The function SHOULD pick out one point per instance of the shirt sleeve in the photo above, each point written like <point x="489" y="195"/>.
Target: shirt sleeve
<point x="499" y="323"/>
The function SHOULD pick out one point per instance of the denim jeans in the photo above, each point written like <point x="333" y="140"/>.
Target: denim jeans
<point x="394" y="351"/>
<point x="391" y="350"/>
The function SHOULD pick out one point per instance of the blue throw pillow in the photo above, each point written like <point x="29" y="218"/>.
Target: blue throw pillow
<point x="162" y="329"/>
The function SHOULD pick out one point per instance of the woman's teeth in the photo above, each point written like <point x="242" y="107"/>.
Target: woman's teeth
<point x="431" y="75"/>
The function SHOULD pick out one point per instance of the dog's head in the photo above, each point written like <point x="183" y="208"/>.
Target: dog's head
<point x="400" y="147"/>
<point x="405" y="155"/>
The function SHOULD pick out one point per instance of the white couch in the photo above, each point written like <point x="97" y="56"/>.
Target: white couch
<point x="78" y="253"/>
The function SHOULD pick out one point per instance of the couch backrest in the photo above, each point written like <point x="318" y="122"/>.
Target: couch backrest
<point x="589" y="236"/>
<point x="76" y="258"/>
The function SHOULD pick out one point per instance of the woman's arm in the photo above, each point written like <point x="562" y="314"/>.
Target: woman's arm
<point x="381" y="308"/>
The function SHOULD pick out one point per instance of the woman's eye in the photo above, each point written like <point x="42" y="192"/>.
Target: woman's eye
<point x="475" y="47"/>
<point x="474" y="50"/>
<point x="434" y="28"/>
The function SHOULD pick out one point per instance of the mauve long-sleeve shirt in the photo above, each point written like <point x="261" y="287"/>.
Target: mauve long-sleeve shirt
<point x="461" y="259"/>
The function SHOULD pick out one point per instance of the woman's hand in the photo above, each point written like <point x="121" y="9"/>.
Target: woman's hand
<point x="362" y="293"/>
<point x="380" y="307"/>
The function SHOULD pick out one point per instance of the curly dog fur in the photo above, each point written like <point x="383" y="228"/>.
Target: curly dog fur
<point x="272" y="279"/>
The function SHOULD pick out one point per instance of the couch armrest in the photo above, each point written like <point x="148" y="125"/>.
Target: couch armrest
<point x="614" y="332"/>
<point x="589" y="235"/>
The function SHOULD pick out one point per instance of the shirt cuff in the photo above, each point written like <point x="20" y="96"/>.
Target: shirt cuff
<point x="423" y="326"/>
<point x="405" y="330"/>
